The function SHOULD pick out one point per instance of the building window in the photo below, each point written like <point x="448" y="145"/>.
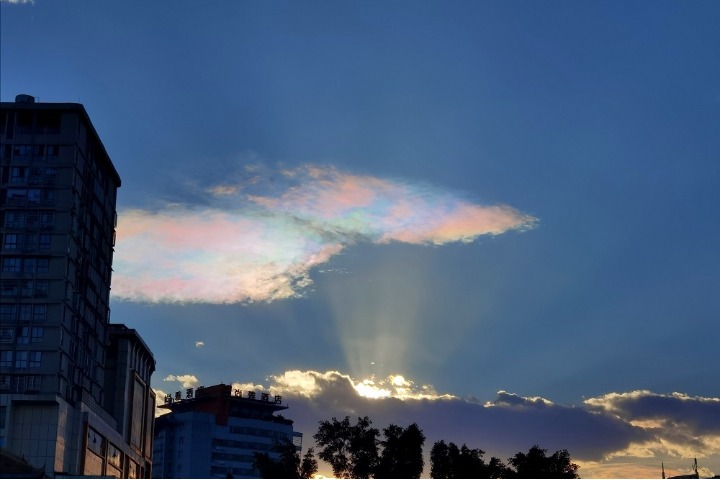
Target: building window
<point x="35" y="175"/>
<point x="32" y="219"/>
<point x="18" y="383"/>
<point x="37" y="333"/>
<point x="11" y="241"/>
<point x="48" y="123"/>
<point x="23" y="335"/>
<point x="11" y="265"/>
<point x="29" y="265"/>
<point x="25" y="312"/>
<point x="4" y="382"/>
<point x="44" y="241"/>
<point x="43" y="265"/>
<point x="6" y="358"/>
<point x="48" y="197"/>
<point x="52" y="151"/>
<point x="3" y="412"/>
<point x="41" y="288"/>
<point x="95" y="442"/>
<point x="47" y="219"/>
<point x="33" y="382"/>
<point x="21" y="359"/>
<point x="19" y="174"/>
<point x="34" y="359"/>
<point x="27" y="288"/>
<point x="15" y="219"/>
<point x="17" y="196"/>
<point x="39" y="313"/>
<point x="7" y="335"/>
<point x="7" y="312"/>
<point x="8" y="288"/>
<point x="28" y="241"/>
<point x="114" y="455"/>
<point x="33" y="196"/>
<point x="22" y="151"/>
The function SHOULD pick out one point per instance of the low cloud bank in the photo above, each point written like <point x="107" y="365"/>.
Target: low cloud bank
<point x="618" y="434"/>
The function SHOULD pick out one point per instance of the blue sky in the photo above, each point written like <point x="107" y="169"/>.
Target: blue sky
<point x="482" y="197"/>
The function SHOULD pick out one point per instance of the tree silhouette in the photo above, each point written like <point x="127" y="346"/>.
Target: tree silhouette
<point x="536" y="464"/>
<point x="308" y="466"/>
<point x="351" y="450"/>
<point x="440" y="461"/>
<point x="449" y="461"/>
<point x="288" y="464"/>
<point x="402" y="452"/>
<point x="497" y="469"/>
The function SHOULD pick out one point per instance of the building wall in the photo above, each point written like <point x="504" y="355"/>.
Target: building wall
<point x="58" y="192"/>
<point x="57" y="195"/>
<point x="192" y="445"/>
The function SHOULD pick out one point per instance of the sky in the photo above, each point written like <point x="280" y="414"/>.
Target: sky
<point x="498" y="220"/>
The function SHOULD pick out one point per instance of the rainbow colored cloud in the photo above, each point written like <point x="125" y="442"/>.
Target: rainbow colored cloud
<point x="260" y="238"/>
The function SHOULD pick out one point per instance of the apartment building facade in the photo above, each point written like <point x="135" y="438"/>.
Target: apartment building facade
<point x="71" y="383"/>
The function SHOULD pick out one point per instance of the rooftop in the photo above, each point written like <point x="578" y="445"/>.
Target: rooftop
<point x="225" y="402"/>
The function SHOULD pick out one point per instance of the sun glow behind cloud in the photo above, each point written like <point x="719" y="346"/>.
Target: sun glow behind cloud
<point x="602" y="434"/>
<point x="259" y="239"/>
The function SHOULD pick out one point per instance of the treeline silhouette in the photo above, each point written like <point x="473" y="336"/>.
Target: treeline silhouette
<point x="359" y="451"/>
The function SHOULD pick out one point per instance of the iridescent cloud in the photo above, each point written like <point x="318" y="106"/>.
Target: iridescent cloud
<point x="258" y="240"/>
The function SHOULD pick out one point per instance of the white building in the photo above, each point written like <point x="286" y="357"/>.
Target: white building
<point x="214" y="432"/>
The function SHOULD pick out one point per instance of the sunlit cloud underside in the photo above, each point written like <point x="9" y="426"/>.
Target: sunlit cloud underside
<point x="258" y="239"/>
<point x="616" y="435"/>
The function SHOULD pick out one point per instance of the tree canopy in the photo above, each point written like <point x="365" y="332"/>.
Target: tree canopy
<point x="536" y="464"/>
<point x="449" y="461"/>
<point x="351" y="450"/>
<point x="288" y="464"/>
<point x="359" y="451"/>
<point x="402" y="452"/>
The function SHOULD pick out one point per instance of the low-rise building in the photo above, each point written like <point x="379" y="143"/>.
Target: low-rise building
<point x="215" y="431"/>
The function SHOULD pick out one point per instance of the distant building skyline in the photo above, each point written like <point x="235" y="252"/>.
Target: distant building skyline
<point x="75" y="395"/>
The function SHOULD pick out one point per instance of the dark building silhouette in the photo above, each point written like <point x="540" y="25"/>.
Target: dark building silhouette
<point x="75" y="394"/>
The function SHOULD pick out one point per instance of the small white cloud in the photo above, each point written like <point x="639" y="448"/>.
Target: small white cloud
<point x="188" y="381"/>
<point x="18" y="2"/>
<point x="223" y="190"/>
<point x="199" y="344"/>
<point x="507" y="399"/>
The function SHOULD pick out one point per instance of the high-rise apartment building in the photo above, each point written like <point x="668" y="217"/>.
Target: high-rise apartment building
<point x="75" y="394"/>
<point x="214" y="432"/>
